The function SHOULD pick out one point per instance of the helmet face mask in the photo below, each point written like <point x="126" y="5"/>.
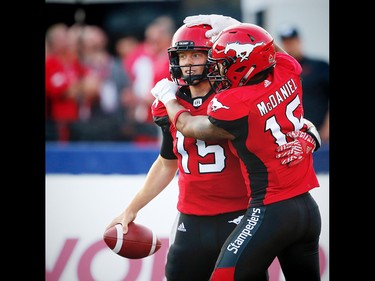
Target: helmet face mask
<point x="191" y="76"/>
<point x="188" y="39"/>
<point x="243" y="51"/>
<point x="217" y="70"/>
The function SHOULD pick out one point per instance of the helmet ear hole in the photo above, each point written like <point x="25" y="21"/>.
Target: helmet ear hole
<point x="176" y="72"/>
<point x="174" y="67"/>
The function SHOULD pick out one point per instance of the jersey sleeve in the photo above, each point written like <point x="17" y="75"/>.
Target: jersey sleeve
<point x="228" y="112"/>
<point x="227" y="106"/>
<point x="158" y="109"/>
<point x="160" y="115"/>
<point x="289" y="62"/>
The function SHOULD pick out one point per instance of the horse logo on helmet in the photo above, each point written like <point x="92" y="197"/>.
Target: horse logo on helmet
<point x="243" y="51"/>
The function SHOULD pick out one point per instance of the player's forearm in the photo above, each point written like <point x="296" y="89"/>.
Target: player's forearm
<point x="158" y="177"/>
<point x="188" y="125"/>
<point x="198" y="127"/>
<point x="173" y="107"/>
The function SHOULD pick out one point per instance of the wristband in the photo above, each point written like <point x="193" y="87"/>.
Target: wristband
<point x="178" y="115"/>
<point x="312" y="131"/>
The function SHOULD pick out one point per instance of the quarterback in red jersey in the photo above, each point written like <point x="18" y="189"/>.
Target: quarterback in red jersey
<point x="259" y="101"/>
<point x="212" y="193"/>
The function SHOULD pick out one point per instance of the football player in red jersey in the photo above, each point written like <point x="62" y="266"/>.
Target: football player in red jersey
<point x="212" y="193"/>
<point x="259" y="101"/>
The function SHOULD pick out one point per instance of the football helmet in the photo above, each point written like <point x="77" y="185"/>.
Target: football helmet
<point x="185" y="39"/>
<point x="239" y="53"/>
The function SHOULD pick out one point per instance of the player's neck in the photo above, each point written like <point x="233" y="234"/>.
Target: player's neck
<point x="200" y="89"/>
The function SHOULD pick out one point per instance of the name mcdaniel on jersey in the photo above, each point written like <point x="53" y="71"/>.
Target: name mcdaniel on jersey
<point x="278" y="97"/>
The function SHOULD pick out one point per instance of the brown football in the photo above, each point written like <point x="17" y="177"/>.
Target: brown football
<point x="139" y="242"/>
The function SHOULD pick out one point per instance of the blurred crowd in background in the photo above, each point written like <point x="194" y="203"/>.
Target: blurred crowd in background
<point x="93" y="95"/>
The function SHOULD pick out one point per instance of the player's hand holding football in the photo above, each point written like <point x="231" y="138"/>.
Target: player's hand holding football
<point x="124" y="219"/>
<point x="165" y="90"/>
<point x="294" y="152"/>
<point x="217" y="22"/>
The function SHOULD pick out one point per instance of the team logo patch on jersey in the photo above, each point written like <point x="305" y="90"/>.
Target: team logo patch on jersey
<point x="197" y="102"/>
<point x="236" y="220"/>
<point x="215" y="105"/>
<point x="243" y="51"/>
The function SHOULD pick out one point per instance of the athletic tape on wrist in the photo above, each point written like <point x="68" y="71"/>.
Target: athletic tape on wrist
<point x="178" y="115"/>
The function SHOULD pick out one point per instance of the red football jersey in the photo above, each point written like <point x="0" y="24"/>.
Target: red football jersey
<point x="259" y="116"/>
<point x="209" y="177"/>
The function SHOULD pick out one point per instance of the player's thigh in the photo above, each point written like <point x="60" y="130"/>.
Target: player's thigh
<point x="188" y="257"/>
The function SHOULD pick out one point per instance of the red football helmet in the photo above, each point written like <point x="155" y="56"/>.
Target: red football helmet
<point x="240" y="52"/>
<point x="185" y="39"/>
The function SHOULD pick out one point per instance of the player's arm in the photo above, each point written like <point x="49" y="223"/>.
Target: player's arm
<point x="158" y="177"/>
<point x="304" y="142"/>
<point x="198" y="127"/>
<point x="217" y="22"/>
<point x="312" y="131"/>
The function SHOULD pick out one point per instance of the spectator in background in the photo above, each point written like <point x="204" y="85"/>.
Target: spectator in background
<point x="315" y="81"/>
<point x="63" y="81"/>
<point x="101" y="112"/>
<point x="103" y="97"/>
<point x="147" y="64"/>
<point x="126" y="47"/>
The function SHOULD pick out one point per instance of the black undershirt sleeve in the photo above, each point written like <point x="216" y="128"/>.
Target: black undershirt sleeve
<point x="166" y="149"/>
